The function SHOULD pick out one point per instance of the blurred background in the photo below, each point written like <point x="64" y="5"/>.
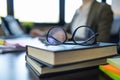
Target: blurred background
<point x="45" y="13"/>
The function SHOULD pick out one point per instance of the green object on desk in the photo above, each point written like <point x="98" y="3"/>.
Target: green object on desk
<point x="110" y="74"/>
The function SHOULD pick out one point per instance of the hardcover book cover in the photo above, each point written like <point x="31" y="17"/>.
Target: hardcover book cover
<point x="43" y="69"/>
<point x="66" y="54"/>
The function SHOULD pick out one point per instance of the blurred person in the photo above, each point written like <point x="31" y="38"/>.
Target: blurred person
<point x="98" y="16"/>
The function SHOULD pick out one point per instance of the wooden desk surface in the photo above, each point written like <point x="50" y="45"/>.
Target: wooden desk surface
<point x="13" y="67"/>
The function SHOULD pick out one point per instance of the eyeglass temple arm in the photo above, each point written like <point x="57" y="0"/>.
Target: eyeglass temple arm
<point x="96" y="34"/>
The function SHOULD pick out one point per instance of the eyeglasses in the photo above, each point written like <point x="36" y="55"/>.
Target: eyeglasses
<point x="82" y="35"/>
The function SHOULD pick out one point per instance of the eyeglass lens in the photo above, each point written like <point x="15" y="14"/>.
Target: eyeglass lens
<point x="83" y="34"/>
<point x="57" y="35"/>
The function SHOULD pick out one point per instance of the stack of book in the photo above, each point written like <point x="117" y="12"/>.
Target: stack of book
<point x="112" y="69"/>
<point x="48" y="60"/>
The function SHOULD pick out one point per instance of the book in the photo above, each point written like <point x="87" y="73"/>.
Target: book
<point x="11" y="49"/>
<point x="111" y="68"/>
<point x="67" y="54"/>
<point x="114" y="61"/>
<point x="42" y="69"/>
<point x="110" y="74"/>
<point x="86" y="73"/>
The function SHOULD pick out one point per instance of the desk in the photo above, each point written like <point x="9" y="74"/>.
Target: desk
<point x="13" y="67"/>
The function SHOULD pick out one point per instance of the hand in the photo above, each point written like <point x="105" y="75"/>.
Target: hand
<point x="69" y="36"/>
<point x="59" y="35"/>
<point x="36" y="33"/>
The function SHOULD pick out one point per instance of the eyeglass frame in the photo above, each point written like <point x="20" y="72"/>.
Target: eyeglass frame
<point x="73" y="35"/>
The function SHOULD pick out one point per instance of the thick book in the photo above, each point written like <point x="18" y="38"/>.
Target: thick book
<point x="110" y="74"/>
<point x="66" y="54"/>
<point x="86" y="73"/>
<point x="114" y="61"/>
<point x="42" y="69"/>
